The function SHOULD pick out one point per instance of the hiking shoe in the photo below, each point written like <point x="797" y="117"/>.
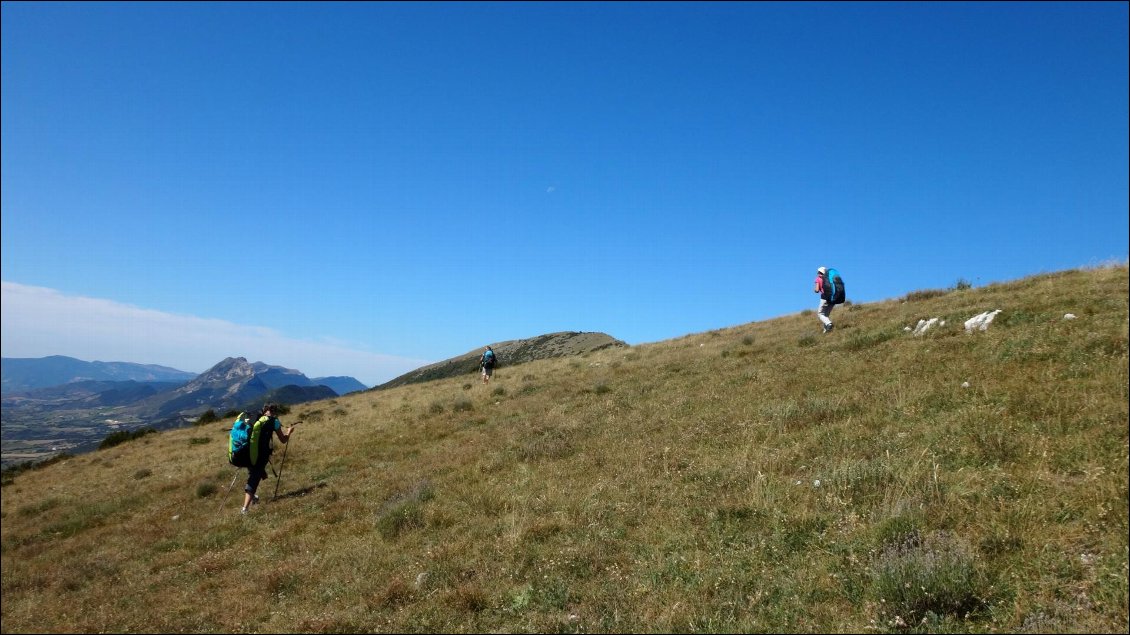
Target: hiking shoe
<point x="243" y="511"/>
<point x="254" y="499"/>
<point x="828" y="328"/>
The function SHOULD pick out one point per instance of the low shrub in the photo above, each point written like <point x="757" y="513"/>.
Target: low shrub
<point x="209" y="416"/>
<point x="930" y="576"/>
<point x="924" y="294"/>
<point x="121" y="436"/>
<point x="404" y="511"/>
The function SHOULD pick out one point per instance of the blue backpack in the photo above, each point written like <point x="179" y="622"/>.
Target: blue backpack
<point x="239" y="441"/>
<point x="836" y="294"/>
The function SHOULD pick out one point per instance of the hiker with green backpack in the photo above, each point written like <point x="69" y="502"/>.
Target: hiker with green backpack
<point x="830" y="285"/>
<point x="250" y="447"/>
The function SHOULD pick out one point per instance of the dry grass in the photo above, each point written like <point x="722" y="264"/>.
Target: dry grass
<point x="757" y="478"/>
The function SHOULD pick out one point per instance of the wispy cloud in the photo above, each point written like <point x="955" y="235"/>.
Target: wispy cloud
<point x="37" y="321"/>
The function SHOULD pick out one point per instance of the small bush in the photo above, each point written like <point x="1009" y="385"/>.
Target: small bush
<point x="862" y="341"/>
<point x="932" y="575"/>
<point x="469" y="598"/>
<point x="925" y="294"/>
<point x="961" y="285"/>
<point x="402" y="517"/>
<point x="121" y="436"/>
<point x="435" y="408"/>
<point x="198" y="440"/>
<point x="142" y="473"/>
<point x="209" y="416"/>
<point x="205" y="489"/>
<point x="498" y="392"/>
<point x="463" y="405"/>
<point x="806" y="341"/>
<point x="396" y="593"/>
<point x="404" y="511"/>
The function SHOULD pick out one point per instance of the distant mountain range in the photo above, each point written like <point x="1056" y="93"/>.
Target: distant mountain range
<point x="20" y="374"/>
<point x="60" y="403"/>
<point x="236" y="383"/>
<point x="24" y="374"/>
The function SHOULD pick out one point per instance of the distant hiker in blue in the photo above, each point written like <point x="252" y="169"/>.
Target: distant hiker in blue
<point x="486" y="363"/>
<point x="260" y="447"/>
<point x="830" y="286"/>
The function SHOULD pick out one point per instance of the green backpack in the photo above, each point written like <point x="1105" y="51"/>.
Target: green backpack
<point x="247" y="443"/>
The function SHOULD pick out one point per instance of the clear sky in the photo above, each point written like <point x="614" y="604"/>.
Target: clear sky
<point x="360" y="189"/>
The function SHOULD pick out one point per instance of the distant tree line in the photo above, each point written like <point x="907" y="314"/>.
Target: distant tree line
<point x="121" y="436"/>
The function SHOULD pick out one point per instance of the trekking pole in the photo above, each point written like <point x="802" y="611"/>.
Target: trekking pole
<point x="278" y="478"/>
<point x="228" y="493"/>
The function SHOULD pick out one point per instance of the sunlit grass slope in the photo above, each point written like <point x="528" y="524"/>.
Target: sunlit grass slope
<point x="760" y="478"/>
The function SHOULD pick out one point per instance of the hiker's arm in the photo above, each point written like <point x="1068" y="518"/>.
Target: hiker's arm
<point x="284" y="437"/>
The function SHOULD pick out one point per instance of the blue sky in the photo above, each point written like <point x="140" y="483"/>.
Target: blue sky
<point x="360" y="189"/>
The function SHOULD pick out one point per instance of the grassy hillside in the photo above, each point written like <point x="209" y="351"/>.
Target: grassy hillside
<point x="761" y="478"/>
<point x="509" y="353"/>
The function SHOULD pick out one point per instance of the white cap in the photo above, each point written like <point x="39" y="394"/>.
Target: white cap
<point x="821" y="270"/>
